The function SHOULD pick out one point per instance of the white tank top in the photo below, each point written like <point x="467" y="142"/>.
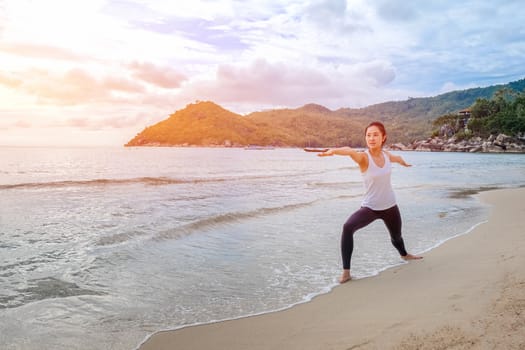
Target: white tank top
<point x="379" y="194"/>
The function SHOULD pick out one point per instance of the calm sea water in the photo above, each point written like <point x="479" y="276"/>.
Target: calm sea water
<point x="100" y="248"/>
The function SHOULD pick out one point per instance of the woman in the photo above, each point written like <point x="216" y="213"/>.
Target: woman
<point x="379" y="201"/>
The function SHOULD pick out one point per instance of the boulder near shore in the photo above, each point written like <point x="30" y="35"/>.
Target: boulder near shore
<point x="493" y="144"/>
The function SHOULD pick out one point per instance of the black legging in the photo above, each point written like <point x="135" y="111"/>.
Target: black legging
<point x="363" y="217"/>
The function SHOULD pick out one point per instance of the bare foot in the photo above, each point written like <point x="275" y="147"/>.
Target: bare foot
<point x="411" y="257"/>
<point x="345" y="277"/>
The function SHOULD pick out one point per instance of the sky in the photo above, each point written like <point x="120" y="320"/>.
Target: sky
<point x="97" y="72"/>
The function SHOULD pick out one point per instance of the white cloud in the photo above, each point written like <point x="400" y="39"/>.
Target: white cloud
<point x="164" y="77"/>
<point x="264" y="83"/>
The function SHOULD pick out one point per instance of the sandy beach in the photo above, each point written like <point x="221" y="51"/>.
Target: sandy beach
<point x="469" y="293"/>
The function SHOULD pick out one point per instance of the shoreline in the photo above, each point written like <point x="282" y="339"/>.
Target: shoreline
<point x="459" y="276"/>
<point x="392" y="147"/>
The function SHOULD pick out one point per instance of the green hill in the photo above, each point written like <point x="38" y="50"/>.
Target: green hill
<point x="202" y="123"/>
<point x="413" y="118"/>
<point x="207" y="124"/>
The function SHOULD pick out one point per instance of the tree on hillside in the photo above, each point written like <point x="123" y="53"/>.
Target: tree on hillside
<point x="503" y="113"/>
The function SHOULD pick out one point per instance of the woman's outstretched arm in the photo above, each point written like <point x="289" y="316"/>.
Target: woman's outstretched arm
<point x="359" y="157"/>
<point x="397" y="159"/>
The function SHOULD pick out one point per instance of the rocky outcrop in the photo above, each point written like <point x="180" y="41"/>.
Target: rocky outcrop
<point x="494" y="144"/>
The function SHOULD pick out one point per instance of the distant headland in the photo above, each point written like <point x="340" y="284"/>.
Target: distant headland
<point x="490" y="119"/>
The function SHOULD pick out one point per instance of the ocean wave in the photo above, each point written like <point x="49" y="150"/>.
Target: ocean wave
<point x="337" y="184"/>
<point x="154" y="181"/>
<point x="150" y="181"/>
<point x="229" y="218"/>
<point x="348" y="196"/>
<point x="349" y="167"/>
<point x="44" y="288"/>
<point x="225" y="219"/>
<point x="118" y="238"/>
<point x="30" y="262"/>
<point x="211" y="222"/>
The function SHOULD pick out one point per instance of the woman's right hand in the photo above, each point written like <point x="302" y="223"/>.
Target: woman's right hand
<point x="326" y="153"/>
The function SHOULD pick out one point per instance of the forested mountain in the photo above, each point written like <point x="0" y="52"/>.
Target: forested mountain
<point x="207" y="124"/>
<point x="413" y="118"/>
